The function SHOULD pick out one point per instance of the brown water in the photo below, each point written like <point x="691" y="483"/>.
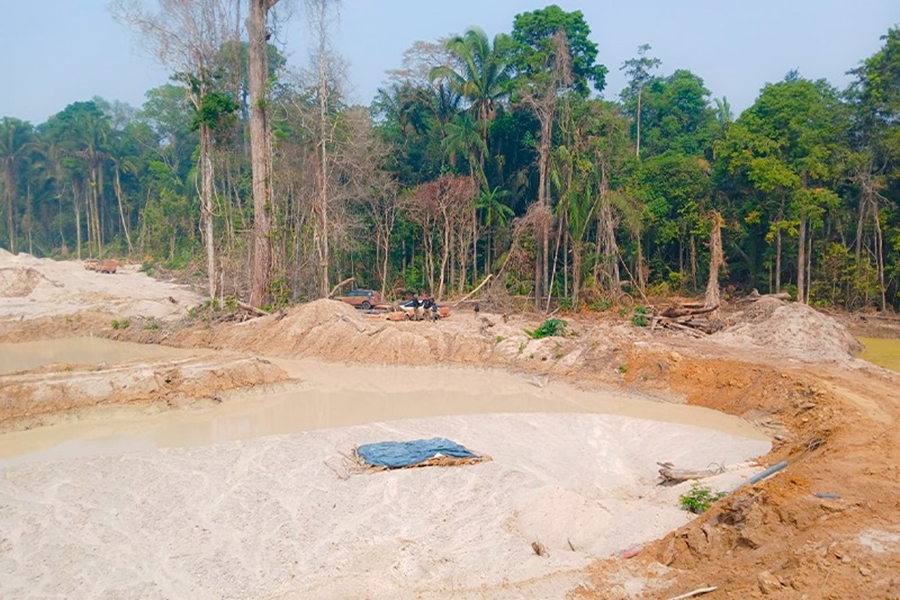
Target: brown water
<point x="326" y="395"/>
<point x="24" y="356"/>
<point x="882" y="352"/>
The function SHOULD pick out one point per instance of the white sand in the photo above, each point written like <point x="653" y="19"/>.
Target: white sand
<point x="271" y="518"/>
<point x="32" y="288"/>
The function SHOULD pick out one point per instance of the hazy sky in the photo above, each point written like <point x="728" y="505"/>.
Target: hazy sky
<point x="54" y="52"/>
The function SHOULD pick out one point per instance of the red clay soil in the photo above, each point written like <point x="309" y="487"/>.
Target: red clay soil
<point x="788" y="536"/>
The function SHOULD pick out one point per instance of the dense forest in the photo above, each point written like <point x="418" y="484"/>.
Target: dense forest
<point x="478" y="156"/>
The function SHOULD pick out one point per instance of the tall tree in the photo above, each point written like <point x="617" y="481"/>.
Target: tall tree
<point x="638" y="71"/>
<point x="552" y="55"/>
<point x="187" y="36"/>
<point x="260" y="150"/>
<point x="15" y="140"/>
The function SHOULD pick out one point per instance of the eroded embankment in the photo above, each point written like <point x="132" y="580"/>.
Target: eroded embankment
<point x="32" y="398"/>
<point x="825" y="527"/>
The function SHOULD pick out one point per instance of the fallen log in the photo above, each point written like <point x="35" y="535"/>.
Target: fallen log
<point x="252" y="309"/>
<point x="754" y="296"/>
<point x="683" y="310"/>
<point x="670" y="474"/>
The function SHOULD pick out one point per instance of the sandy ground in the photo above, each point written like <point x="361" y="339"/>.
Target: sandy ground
<point x="287" y="516"/>
<point x="32" y="288"/>
<point x="786" y="369"/>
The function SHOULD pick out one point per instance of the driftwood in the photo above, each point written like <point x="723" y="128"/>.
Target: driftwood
<point x="670" y="474"/>
<point x="338" y="285"/>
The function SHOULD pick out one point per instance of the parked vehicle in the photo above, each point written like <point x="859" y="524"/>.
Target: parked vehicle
<point x="107" y="266"/>
<point x="364" y="299"/>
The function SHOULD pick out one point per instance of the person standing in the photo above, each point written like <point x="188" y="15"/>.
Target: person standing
<point x="427" y="305"/>
<point x="415" y="306"/>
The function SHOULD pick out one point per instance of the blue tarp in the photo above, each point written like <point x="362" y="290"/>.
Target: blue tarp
<point x="395" y="455"/>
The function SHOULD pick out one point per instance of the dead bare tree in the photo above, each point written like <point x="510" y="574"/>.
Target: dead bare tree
<point x="186" y="36"/>
<point x="320" y="17"/>
<point x="543" y="103"/>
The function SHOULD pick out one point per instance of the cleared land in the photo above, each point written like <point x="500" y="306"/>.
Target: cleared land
<point x="786" y="369"/>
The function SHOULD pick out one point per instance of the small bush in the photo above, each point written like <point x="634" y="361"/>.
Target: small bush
<point x="639" y="318"/>
<point x="152" y="325"/>
<point x="549" y="328"/>
<point x="123" y="324"/>
<point x="699" y="499"/>
<point x="601" y="305"/>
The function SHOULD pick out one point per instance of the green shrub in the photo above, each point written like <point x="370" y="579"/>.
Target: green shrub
<point x="601" y="305"/>
<point x="549" y="328"/>
<point x="123" y="324"/>
<point x="699" y="499"/>
<point x="639" y="318"/>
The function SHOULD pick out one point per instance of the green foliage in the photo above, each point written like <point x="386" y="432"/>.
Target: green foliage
<point x="639" y="318"/>
<point x="550" y="327"/>
<point x="601" y="305"/>
<point x="217" y="111"/>
<point x="531" y="47"/>
<point x="281" y="293"/>
<point x="121" y="324"/>
<point x="699" y="499"/>
<point x="151" y="325"/>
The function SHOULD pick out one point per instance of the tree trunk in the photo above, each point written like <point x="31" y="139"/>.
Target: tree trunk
<point x="8" y="179"/>
<point x="608" y="247"/>
<point x="95" y="210"/>
<point x="716" y="260"/>
<point x="77" y="219"/>
<point x="801" y="261"/>
<point x="260" y="152"/>
<point x="693" y="262"/>
<point x="577" y="261"/>
<point x="778" y="260"/>
<point x="206" y="206"/>
<point x="122" y="211"/>
<point x="637" y="148"/>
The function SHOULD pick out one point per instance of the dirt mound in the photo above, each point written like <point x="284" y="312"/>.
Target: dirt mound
<point x="792" y="329"/>
<point x="336" y="331"/>
<point x="16" y="283"/>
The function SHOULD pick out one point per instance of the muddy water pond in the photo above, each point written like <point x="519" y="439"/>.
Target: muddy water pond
<point x="321" y="396"/>
<point x="882" y="352"/>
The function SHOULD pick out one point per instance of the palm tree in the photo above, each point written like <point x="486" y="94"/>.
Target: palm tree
<point x="480" y="77"/>
<point x="496" y="214"/>
<point x="15" y="140"/>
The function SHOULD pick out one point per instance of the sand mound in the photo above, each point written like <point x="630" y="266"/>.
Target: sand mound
<point x="336" y="331"/>
<point x="16" y="283"/>
<point x="793" y="329"/>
